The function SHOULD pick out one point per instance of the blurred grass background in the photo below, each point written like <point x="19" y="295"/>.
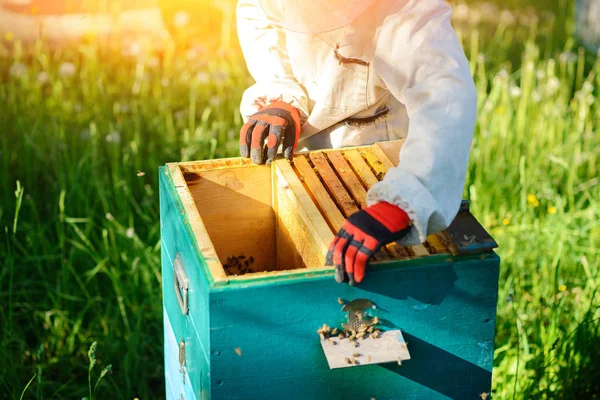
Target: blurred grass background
<point x="83" y="129"/>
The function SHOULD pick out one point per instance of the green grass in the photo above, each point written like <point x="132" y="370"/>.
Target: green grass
<point x="80" y="245"/>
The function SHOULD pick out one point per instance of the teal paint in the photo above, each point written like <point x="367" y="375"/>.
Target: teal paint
<point x="192" y="328"/>
<point x="445" y="307"/>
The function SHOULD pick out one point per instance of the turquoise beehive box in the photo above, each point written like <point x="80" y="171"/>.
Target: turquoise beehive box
<point x="245" y="288"/>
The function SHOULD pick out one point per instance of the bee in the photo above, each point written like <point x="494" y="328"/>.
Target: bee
<point x="369" y="359"/>
<point x="348" y="361"/>
<point x="335" y="331"/>
<point x="399" y="361"/>
<point x="238" y="351"/>
<point x="356" y="355"/>
<point x="355" y="362"/>
<point x="251" y="259"/>
<point x="341" y="301"/>
<point x="484" y="396"/>
<point x="140" y="173"/>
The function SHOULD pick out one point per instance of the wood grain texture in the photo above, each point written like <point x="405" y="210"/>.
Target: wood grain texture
<point x="333" y="184"/>
<point x="344" y="170"/>
<point x="390" y="347"/>
<point x="177" y="239"/>
<point x="176" y="183"/>
<point x="323" y="200"/>
<point x="302" y="233"/>
<point x="362" y="169"/>
<point x="236" y="208"/>
<point x="446" y="312"/>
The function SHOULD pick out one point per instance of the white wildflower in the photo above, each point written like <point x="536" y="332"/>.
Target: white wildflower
<point x="514" y="91"/>
<point x="587" y="87"/>
<point x="110" y="217"/>
<point x="507" y="17"/>
<point x="181" y="19"/>
<point x="552" y="86"/>
<point x="194" y="52"/>
<point x="67" y="69"/>
<point x="130" y="232"/>
<point x="202" y="77"/>
<point x="536" y="96"/>
<point x="113" y="137"/>
<point x="568" y="57"/>
<point x="214" y="101"/>
<point x="540" y="74"/>
<point x="18" y="70"/>
<point x="220" y="76"/>
<point x="43" y="77"/>
<point x="461" y="12"/>
<point x="501" y="76"/>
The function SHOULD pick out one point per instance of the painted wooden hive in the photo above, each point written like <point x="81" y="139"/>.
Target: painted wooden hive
<point x="245" y="288"/>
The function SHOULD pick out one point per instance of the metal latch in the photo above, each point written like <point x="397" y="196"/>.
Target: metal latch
<point x="181" y="284"/>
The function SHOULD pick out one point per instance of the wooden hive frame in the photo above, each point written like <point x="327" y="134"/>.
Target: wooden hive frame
<point x="309" y="201"/>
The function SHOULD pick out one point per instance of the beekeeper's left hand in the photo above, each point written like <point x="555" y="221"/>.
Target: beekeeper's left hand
<point x="362" y="235"/>
<point x="278" y="123"/>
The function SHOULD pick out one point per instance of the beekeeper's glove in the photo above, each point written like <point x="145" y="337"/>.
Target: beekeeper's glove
<point x="278" y="123"/>
<point x="362" y="235"/>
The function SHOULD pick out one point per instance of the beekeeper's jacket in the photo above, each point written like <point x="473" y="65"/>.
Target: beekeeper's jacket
<point x="403" y="74"/>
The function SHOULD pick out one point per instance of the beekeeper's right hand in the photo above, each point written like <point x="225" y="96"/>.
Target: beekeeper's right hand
<point x="278" y="123"/>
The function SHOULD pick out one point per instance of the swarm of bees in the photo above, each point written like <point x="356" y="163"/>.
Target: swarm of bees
<point x="238" y="265"/>
<point x="361" y="328"/>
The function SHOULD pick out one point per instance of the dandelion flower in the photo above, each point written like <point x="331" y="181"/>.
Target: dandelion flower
<point x="43" y="77"/>
<point x="113" y="137"/>
<point x="533" y="200"/>
<point x="514" y="91"/>
<point x="67" y="70"/>
<point x="536" y="96"/>
<point x="202" y="77"/>
<point x="552" y="86"/>
<point x="568" y="57"/>
<point x="18" y="70"/>
<point x="9" y="36"/>
<point x="562" y="288"/>
<point x="551" y="210"/>
<point x="130" y="232"/>
<point x="505" y="221"/>
<point x="181" y="19"/>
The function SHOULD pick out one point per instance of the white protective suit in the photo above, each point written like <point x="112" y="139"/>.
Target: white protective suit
<point x="413" y="81"/>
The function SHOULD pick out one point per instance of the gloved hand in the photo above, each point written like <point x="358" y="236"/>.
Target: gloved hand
<point x="362" y="235"/>
<point x="281" y="123"/>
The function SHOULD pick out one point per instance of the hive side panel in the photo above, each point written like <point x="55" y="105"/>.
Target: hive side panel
<point x="236" y="207"/>
<point x="177" y="243"/>
<point x="446" y="312"/>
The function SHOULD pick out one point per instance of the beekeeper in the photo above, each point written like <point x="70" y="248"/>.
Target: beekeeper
<point x="336" y="73"/>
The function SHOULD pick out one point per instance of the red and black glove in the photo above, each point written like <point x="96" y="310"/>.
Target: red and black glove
<point x="280" y="122"/>
<point x="362" y="235"/>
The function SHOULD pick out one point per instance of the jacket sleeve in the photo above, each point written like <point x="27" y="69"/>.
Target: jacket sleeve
<point x="264" y="48"/>
<point x="421" y="62"/>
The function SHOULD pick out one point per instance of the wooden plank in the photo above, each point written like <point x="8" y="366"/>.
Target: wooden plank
<point x="203" y="240"/>
<point x="344" y="170"/>
<point x="332" y="182"/>
<point x="390" y="347"/>
<point x="235" y="205"/>
<point x="378" y="167"/>
<point x="435" y="245"/>
<point x="363" y="171"/>
<point x="303" y="235"/>
<point x="306" y="174"/>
